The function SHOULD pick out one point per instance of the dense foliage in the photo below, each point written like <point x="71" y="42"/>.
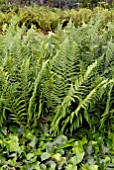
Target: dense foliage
<point x="57" y="77"/>
<point x="62" y="76"/>
<point x="46" y="19"/>
<point x="27" y="151"/>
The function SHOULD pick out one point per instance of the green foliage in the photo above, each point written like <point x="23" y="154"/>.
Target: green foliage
<point x="50" y="153"/>
<point x="47" y="19"/>
<point x="62" y="80"/>
<point x="27" y="151"/>
<point x="2" y="1"/>
<point x="59" y="83"/>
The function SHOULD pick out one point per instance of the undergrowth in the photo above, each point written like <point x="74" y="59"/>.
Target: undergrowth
<point x="61" y="82"/>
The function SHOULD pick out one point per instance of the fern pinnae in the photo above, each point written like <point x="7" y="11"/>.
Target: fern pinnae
<point x="76" y="91"/>
<point x="61" y="112"/>
<point x="24" y="80"/>
<point x="107" y="109"/>
<point x="82" y="78"/>
<point x="91" y="96"/>
<point x="31" y="110"/>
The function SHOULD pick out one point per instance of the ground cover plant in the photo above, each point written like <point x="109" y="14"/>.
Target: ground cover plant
<point x="56" y="90"/>
<point x="26" y="151"/>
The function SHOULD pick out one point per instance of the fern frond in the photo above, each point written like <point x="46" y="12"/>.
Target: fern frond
<point x="81" y="97"/>
<point x="64" y="68"/>
<point x="106" y="114"/>
<point x="31" y="107"/>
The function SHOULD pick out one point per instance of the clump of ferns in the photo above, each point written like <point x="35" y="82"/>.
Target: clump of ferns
<point x="82" y="94"/>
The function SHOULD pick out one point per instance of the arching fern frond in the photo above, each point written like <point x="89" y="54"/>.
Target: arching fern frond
<point x="76" y="103"/>
<point x="107" y="113"/>
<point x="31" y="108"/>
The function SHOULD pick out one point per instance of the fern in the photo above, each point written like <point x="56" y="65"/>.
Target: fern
<point x="16" y="87"/>
<point x="31" y="107"/>
<point x="2" y="93"/>
<point x="58" y="76"/>
<point x="106" y="115"/>
<point x="65" y="67"/>
<point x="64" y="111"/>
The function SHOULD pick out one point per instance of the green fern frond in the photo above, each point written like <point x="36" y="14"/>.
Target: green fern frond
<point x="64" y="68"/>
<point x="64" y="112"/>
<point x="31" y="108"/>
<point x="106" y="114"/>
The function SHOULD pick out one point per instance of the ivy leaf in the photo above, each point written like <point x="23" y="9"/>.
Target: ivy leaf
<point x="57" y="157"/>
<point x="45" y="156"/>
<point x="36" y="166"/>
<point x="71" y="167"/>
<point x="12" y="162"/>
<point x="29" y="156"/>
<point x="77" y="158"/>
<point x="13" y="144"/>
<point x="52" y="166"/>
<point x="89" y="167"/>
<point x="78" y="148"/>
<point x="60" y="140"/>
<point x="27" y="134"/>
<point x="33" y="142"/>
